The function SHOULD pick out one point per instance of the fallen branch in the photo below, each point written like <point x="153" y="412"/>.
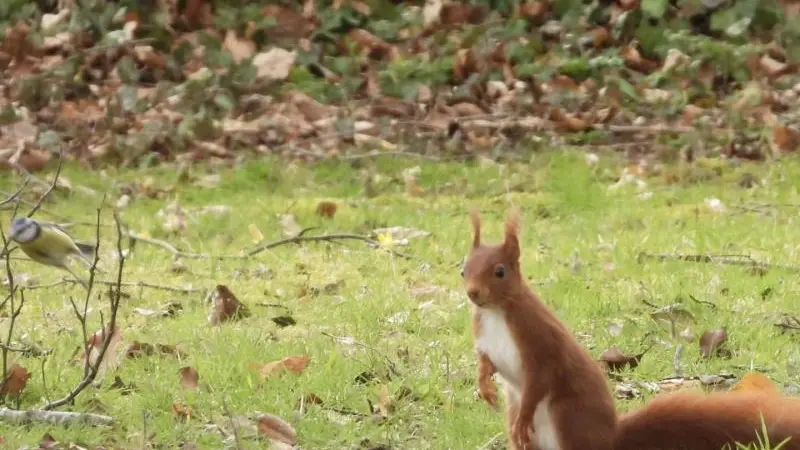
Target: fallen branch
<point x="300" y="238"/>
<point x="260" y="248"/>
<point x="53" y="417"/>
<point x="139" y="284"/>
<point x="731" y="260"/>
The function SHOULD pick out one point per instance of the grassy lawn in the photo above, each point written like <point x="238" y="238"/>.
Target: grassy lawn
<point x="580" y="243"/>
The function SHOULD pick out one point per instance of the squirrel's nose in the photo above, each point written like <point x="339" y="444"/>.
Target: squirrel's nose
<point x="472" y="293"/>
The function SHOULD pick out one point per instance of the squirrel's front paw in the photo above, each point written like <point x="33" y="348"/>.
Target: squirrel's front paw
<point x="489" y="394"/>
<point x="521" y="435"/>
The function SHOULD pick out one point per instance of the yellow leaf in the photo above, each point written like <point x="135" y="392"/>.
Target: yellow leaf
<point x="385" y="240"/>
<point x="255" y="232"/>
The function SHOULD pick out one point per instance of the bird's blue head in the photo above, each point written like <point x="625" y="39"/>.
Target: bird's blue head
<point x="24" y="229"/>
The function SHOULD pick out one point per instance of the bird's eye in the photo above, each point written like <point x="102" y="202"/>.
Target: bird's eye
<point x="500" y="271"/>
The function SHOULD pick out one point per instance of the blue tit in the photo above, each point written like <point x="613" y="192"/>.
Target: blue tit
<point x="49" y="244"/>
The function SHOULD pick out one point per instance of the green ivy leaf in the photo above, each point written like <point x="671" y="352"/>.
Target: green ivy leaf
<point x="654" y="8"/>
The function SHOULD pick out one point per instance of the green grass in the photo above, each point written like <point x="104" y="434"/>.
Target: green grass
<point x="568" y="212"/>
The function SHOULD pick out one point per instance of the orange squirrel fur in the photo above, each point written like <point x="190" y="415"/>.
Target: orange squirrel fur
<point x="695" y="421"/>
<point x="556" y="394"/>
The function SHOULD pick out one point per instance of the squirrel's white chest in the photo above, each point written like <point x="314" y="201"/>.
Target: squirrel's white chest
<point x="495" y="340"/>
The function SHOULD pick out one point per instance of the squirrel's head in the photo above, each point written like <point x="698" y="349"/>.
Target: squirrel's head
<point x="492" y="272"/>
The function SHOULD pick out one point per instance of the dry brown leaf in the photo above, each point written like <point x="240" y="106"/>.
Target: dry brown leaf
<point x="311" y="109"/>
<point x="377" y="48"/>
<point x="786" y="139"/>
<point x="458" y="13"/>
<point x="198" y="13"/>
<point x="32" y="160"/>
<point x="568" y="122"/>
<point x="615" y="359"/>
<point x="189" y="377"/>
<point x="600" y="37"/>
<point x="392" y="107"/>
<point x="326" y="209"/>
<point x="535" y="11"/>
<point x="754" y="381"/>
<point x="226" y="307"/>
<point x="711" y="342"/>
<point x="290" y="23"/>
<point x="15" y="380"/>
<point x="634" y="60"/>
<point x="464" y="64"/>
<point x="274" y="64"/>
<point x="296" y="364"/>
<point x="16" y="43"/>
<point x="275" y="428"/>
<point x="240" y="49"/>
<point x="181" y="411"/>
<point x="690" y="114"/>
<point x="464" y="109"/>
<point x="385" y="404"/>
<point x="774" y="68"/>
<point x="95" y="344"/>
<point x="148" y="57"/>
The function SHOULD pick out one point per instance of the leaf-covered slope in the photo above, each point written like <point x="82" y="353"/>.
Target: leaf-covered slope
<point x="137" y="82"/>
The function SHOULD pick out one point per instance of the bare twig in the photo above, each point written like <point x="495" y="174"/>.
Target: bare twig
<point x="44" y="381"/>
<point x="16" y="194"/>
<point x="676" y="361"/>
<point x="233" y="424"/>
<point x="114" y="300"/>
<point x="32" y="204"/>
<point x="703" y="302"/>
<point x="53" y="417"/>
<point x="731" y="260"/>
<point x="789" y="323"/>
<point x="490" y="442"/>
<point x="15" y="310"/>
<point x="52" y="184"/>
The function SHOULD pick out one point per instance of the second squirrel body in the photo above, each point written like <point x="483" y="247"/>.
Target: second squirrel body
<point x="556" y="393"/>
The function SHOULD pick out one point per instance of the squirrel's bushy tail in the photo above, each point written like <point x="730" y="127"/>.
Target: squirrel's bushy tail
<point x="692" y="421"/>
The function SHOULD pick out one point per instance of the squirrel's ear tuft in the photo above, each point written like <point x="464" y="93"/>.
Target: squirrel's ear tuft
<point x="511" y="242"/>
<point x="476" y="226"/>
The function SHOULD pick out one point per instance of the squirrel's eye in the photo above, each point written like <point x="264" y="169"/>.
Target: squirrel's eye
<point x="500" y="271"/>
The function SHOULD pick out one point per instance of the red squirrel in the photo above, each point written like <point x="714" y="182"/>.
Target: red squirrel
<point x="556" y="393"/>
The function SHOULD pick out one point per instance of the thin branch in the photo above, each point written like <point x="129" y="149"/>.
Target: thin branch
<point x="731" y="260"/>
<point x="56" y="216"/>
<point x="114" y="299"/>
<point x="53" y="417"/>
<point x="233" y="425"/>
<point x="16" y="194"/>
<point x="489" y="444"/>
<point x="52" y="184"/>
